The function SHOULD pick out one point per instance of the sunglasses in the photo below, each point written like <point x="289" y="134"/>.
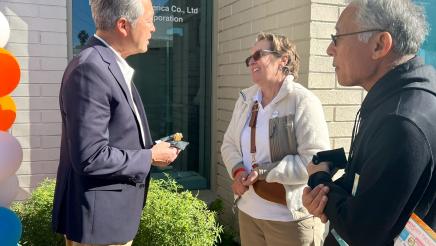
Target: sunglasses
<point x="259" y="54"/>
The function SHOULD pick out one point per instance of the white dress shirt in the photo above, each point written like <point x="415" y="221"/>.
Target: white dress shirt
<point x="251" y="203"/>
<point x="127" y="72"/>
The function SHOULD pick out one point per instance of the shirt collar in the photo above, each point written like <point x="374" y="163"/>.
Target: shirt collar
<point x="258" y="96"/>
<point x="124" y="66"/>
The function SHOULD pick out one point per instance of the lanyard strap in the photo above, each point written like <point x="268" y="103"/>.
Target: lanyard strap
<point x="252" y="124"/>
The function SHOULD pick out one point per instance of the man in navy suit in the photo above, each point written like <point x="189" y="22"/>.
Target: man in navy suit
<point x="106" y="149"/>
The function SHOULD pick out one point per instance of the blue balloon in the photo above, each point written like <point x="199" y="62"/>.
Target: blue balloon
<point x="10" y="227"/>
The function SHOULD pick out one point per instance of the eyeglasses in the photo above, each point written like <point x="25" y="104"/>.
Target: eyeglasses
<point x="335" y="37"/>
<point x="259" y="54"/>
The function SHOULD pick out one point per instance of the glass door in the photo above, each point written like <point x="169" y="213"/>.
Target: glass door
<point x="173" y="78"/>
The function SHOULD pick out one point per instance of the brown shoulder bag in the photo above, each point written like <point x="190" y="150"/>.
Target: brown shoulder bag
<point x="273" y="192"/>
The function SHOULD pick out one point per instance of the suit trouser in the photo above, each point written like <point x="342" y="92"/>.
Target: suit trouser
<point x="72" y="243"/>
<point x="256" y="232"/>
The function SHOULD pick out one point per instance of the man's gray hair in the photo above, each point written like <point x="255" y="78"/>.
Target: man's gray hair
<point x="106" y="12"/>
<point x="403" y="19"/>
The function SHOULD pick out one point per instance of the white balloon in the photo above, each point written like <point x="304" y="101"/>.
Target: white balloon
<point x="8" y="191"/>
<point x="4" y="30"/>
<point x="11" y="155"/>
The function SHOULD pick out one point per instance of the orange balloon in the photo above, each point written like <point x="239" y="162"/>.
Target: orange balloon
<point x="7" y="103"/>
<point x="9" y="72"/>
<point x="7" y="113"/>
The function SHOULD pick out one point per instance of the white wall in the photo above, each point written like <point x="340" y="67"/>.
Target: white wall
<point x="39" y="41"/>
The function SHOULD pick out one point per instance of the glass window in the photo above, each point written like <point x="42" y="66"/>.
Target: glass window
<point x="174" y="80"/>
<point x="428" y="50"/>
<point x="82" y="24"/>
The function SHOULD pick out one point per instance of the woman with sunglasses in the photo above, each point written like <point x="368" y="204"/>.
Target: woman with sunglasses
<point x="276" y="128"/>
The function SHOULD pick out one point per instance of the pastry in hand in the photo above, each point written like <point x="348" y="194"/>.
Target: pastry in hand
<point x="177" y="136"/>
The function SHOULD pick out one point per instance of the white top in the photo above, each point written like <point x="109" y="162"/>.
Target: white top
<point x="310" y="130"/>
<point x="127" y="72"/>
<point x="250" y="203"/>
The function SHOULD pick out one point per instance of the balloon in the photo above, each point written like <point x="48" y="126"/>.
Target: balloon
<point x="9" y="72"/>
<point x="10" y="227"/>
<point x="4" y="30"/>
<point x="7" y="112"/>
<point x="8" y="190"/>
<point x="11" y="155"/>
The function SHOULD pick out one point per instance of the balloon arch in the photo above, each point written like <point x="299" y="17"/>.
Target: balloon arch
<point x="11" y="153"/>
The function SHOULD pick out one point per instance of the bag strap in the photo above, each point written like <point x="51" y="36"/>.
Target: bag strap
<point x="252" y="124"/>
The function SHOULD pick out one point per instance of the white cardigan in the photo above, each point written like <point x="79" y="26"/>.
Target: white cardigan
<point x="311" y="135"/>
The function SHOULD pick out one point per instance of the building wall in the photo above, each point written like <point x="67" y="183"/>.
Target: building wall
<point x="39" y="41"/>
<point x="309" y="24"/>
<point x="340" y="103"/>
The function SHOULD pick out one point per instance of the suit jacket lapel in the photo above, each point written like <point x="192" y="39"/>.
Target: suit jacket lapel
<point x="116" y="72"/>
<point x="109" y="57"/>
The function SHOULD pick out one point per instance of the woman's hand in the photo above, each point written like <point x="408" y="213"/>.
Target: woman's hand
<point x="251" y="179"/>
<point x="237" y="187"/>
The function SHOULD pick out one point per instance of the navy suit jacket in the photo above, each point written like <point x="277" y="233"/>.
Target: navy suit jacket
<point x="104" y="166"/>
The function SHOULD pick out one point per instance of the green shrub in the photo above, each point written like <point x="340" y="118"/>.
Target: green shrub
<point x="35" y="214"/>
<point x="217" y="206"/>
<point x="170" y="218"/>
<point x="228" y="235"/>
<point x="176" y="218"/>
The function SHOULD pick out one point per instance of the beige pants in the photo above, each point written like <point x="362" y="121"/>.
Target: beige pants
<point x="72" y="243"/>
<point x="255" y="232"/>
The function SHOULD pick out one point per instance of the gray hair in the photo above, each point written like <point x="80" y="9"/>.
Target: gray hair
<point x="285" y="47"/>
<point x="404" y="20"/>
<point x="106" y="12"/>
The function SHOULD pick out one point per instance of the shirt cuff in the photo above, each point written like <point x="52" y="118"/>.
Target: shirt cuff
<point x="236" y="168"/>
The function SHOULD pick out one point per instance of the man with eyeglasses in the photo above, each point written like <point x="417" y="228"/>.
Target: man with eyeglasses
<point x="390" y="172"/>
